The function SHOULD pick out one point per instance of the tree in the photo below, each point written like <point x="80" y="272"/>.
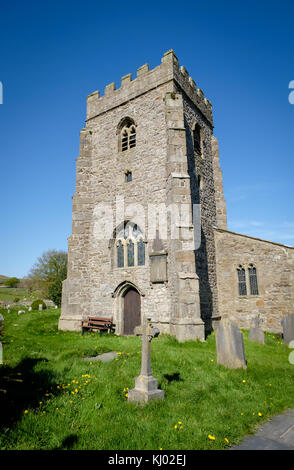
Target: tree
<point x="11" y="282"/>
<point x="48" y="273"/>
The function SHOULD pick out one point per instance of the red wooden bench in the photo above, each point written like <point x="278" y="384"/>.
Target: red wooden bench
<point x="97" y="323"/>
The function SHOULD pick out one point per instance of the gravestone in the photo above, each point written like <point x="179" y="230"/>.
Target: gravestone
<point x="40" y="307"/>
<point x="1" y="324"/>
<point x="256" y="333"/>
<point x="229" y="345"/>
<point x="30" y="309"/>
<point x="288" y="327"/>
<point x="146" y="385"/>
<point x="105" y="357"/>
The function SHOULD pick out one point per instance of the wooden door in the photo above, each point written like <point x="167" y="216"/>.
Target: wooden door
<point x="132" y="311"/>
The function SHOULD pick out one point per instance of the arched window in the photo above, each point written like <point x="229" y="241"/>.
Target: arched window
<point x="130" y="246"/>
<point x="253" y="280"/>
<point x="131" y="253"/>
<point x="197" y="139"/>
<point x="120" y="255"/>
<point x="127" y="134"/>
<point x="242" y="281"/>
<point x="141" y="253"/>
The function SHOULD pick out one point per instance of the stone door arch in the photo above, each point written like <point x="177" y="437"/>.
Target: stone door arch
<point x="132" y="311"/>
<point x="127" y="308"/>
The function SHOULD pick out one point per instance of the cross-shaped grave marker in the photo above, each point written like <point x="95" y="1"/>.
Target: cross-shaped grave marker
<point x="146" y="385"/>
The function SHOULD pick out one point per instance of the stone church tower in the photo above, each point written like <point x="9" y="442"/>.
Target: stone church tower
<point x="148" y="197"/>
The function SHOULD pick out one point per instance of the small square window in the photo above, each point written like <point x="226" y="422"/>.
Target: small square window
<point x="128" y="176"/>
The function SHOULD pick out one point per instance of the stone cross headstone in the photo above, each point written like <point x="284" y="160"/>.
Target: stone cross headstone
<point x="256" y="333"/>
<point x="288" y="327"/>
<point x="229" y="345"/>
<point x="146" y="385"/>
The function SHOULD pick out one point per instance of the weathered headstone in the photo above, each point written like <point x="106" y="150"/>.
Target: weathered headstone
<point x="146" y="385"/>
<point x="256" y="333"/>
<point x="229" y="345"/>
<point x="288" y="327"/>
<point x="40" y="307"/>
<point x="1" y="324"/>
<point x="30" y="309"/>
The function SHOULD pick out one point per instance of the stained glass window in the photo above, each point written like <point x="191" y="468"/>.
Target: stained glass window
<point x="120" y="255"/>
<point x="242" y="281"/>
<point x="130" y="253"/>
<point x="130" y="246"/>
<point x="141" y="253"/>
<point x="253" y="280"/>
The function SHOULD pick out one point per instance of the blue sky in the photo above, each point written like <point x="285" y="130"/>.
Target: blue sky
<point x="53" y="54"/>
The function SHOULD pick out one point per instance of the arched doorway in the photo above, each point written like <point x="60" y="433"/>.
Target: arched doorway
<point x="132" y="311"/>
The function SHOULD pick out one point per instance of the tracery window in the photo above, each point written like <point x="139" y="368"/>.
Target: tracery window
<point x="127" y="135"/>
<point x="130" y="246"/>
<point x="242" y="281"/>
<point x="253" y="280"/>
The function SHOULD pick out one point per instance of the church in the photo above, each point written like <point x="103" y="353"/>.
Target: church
<point x="149" y="224"/>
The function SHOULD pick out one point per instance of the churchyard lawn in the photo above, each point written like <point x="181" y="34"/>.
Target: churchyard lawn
<point x="51" y="399"/>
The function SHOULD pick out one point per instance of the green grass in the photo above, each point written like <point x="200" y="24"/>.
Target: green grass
<point x="42" y="408"/>
<point x="10" y="293"/>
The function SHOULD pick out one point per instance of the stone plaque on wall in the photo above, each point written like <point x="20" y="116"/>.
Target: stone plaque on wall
<point x="158" y="267"/>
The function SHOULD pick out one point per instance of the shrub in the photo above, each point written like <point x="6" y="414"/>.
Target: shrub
<point x="11" y="282"/>
<point x="36" y="303"/>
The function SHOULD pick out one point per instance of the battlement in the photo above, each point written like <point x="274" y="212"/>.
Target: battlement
<point x="168" y="71"/>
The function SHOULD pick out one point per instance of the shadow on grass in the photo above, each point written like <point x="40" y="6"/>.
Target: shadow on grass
<point x="68" y="442"/>
<point x="22" y="388"/>
<point x="175" y="377"/>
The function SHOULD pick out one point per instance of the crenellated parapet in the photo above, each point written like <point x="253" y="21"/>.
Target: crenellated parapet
<point x="169" y="71"/>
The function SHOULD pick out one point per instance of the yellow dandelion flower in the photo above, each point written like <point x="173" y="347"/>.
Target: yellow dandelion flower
<point x="259" y="414"/>
<point x="244" y="381"/>
<point x="127" y="395"/>
<point x="212" y="438"/>
<point x="179" y="422"/>
<point x="26" y="412"/>
<point x="176" y="426"/>
<point x="227" y="440"/>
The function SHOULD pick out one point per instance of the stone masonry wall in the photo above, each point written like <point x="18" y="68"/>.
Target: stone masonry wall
<point x="200" y="169"/>
<point x="94" y="283"/>
<point x="274" y="264"/>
